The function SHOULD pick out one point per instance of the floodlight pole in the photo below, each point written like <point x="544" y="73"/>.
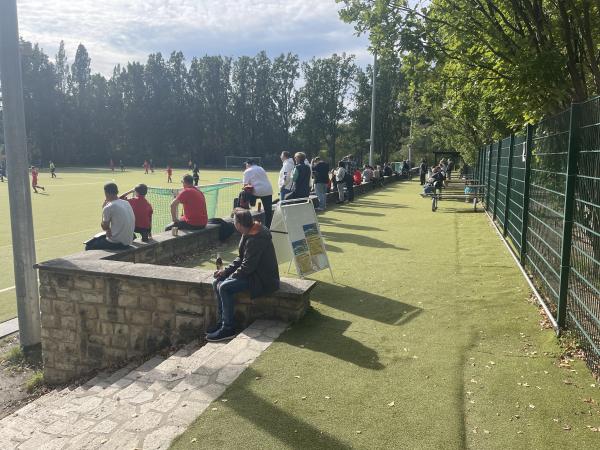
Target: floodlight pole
<point x="373" y="90"/>
<point x="15" y="139"/>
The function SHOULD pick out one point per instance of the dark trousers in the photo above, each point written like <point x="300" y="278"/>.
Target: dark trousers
<point x="350" y="189"/>
<point x="184" y="226"/>
<point x="101" y="243"/>
<point x="225" y="291"/>
<point x="267" y="202"/>
<point x="145" y="232"/>
<point x="422" y="178"/>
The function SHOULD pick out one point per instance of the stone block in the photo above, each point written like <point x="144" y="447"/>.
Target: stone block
<point x="68" y="347"/>
<point x="164" y="304"/>
<point x="50" y="321"/>
<point x="99" y="339"/>
<point x="293" y="303"/>
<point x="147" y="303"/>
<point x="61" y="281"/>
<point x="106" y="328"/>
<point x="96" y="352"/>
<point x="68" y="323"/>
<point x="93" y="297"/>
<point x="190" y="308"/>
<point x="99" y="283"/>
<point x="47" y="291"/>
<point x="138" y="317"/>
<point x="62" y="308"/>
<point x="46" y="305"/>
<point x="119" y="341"/>
<point x="111" y="314"/>
<point x="90" y="325"/>
<point x="87" y="311"/>
<point x="83" y="282"/>
<point x="119" y="328"/>
<point x="137" y="341"/>
<point x="128" y="300"/>
<point x="115" y="354"/>
<point x="48" y="358"/>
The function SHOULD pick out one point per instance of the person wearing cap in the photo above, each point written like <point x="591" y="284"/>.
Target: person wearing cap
<point x="255" y="176"/>
<point x="142" y="210"/>
<point x="194" y="216"/>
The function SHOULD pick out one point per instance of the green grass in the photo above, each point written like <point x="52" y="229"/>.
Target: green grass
<point x="34" y="382"/>
<point x="68" y="213"/>
<point x="429" y="312"/>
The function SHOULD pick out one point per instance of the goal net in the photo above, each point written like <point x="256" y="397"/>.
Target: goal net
<point x="235" y="162"/>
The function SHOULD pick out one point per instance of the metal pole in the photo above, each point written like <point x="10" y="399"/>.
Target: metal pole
<point x="507" y="196"/>
<point x="489" y="172"/>
<point x="565" y="259"/>
<point x="498" y="158"/>
<point x="526" y="185"/>
<point x="18" y="177"/>
<point x="373" y="90"/>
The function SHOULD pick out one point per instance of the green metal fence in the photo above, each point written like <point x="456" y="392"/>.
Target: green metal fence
<point x="543" y="192"/>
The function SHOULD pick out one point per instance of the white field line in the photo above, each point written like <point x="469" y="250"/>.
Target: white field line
<point x="7" y="289"/>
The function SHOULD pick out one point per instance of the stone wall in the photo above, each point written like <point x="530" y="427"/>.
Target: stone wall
<point x="97" y="314"/>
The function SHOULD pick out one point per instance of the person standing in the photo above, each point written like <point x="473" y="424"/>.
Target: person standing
<point x="321" y="178"/>
<point x="254" y="270"/>
<point x="151" y="166"/>
<point x="112" y="165"/>
<point x="194" y="216"/>
<point x="52" y="170"/>
<point x="285" y="175"/>
<point x="300" y="178"/>
<point x="196" y="174"/>
<point x="34" y="180"/>
<point x="169" y="174"/>
<point x="449" y="168"/>
<point x="118" y="222"/>
<point x="255" y="176"/>
<point x="122" y="165"/>
<point x="146" y="167"/>
<point x="349" y="181"/>
<point x="422" y="171"/>
<point x="340" y="178"/>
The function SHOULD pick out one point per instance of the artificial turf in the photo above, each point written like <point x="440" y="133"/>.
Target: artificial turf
<point x="426" y="339"/>
<point x="68" y="212"/>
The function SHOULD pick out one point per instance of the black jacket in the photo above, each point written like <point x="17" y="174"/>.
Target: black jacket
<point x="301" y="187"/>
<point x="256" y="262"/>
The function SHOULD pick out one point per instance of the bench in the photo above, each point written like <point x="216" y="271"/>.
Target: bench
<point x="455" y="194"/>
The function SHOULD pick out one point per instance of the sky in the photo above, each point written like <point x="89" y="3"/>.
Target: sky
<point x="118" y="31"/>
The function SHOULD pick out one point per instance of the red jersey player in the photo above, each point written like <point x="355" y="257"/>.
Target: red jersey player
<point x="34" y="180"/>
<point x="146" y="167"/>
<point x="169" y="173"/>
<point x="112" y="165"/>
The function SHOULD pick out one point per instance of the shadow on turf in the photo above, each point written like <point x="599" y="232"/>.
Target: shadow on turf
<point x="325" y="334"/>
<point x="364" y="304"/>
<point x="358" y="239"/>
<point x="290" y="430"/>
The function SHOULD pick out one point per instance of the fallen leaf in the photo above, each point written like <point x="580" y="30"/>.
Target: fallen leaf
<point x="486" y="431"/>
<point x="594" y="429"/>
<point x="214" y="409"/>
<point x="358" y="432"/>
<point x="257" y="378"/>
<point x="492" y="363"/>
<point x="304" y="397"/>
<point x="567" y="382"/>
<point x="327" y="397"/>
<point x="473" y="380"/>
<point x="532" y="406"/>
<point x="224" y="400"/>
<point x="193" y="440"/>
<point x="566" y="427"/>
<point x="296" y="376"/>
<point x="391" y="404"/>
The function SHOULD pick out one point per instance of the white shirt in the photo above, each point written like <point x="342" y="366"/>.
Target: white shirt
<point x="119" y="215"/>
<point x="257" y="177"/>
<point x="340" y="173"/>
<point x="285" y="174"/>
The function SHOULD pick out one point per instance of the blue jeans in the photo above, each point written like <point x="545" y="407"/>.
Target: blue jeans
<point x="225" y="291"/>
<point x="321" y="191"/>
<point x="283" y="193"/>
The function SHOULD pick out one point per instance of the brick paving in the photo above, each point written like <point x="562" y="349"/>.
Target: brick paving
<point x="143" y="407"/>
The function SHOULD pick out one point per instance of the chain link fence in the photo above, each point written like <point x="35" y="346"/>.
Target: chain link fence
<point x="543" y="192"/>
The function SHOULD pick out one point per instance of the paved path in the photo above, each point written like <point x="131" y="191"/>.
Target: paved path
<point x="144" y="407"/>
<point x="9" y="327"/>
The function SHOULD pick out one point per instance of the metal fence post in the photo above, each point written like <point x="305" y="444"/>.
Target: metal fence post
<point x="498" y="156"/>
<point x="508" y="183"/>
<point x="489" y="169"/>
<point x="526" y="181"/>
<point x="565" y="259"/>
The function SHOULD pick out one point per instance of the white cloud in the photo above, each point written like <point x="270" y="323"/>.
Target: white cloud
<point x="117" y="31"/>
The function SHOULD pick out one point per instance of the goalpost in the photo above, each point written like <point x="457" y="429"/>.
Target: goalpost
<point x="235" y="162"/>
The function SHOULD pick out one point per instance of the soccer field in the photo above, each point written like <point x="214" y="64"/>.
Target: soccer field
<point x="69" y="211"/>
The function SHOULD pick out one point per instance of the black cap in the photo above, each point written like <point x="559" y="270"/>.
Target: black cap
<point x="249" y="161"/>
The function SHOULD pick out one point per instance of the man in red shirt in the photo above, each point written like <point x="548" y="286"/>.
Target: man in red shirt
<point x="142" y="210"/>
<point x="169" y="173"/>
<point x="34" y="180"/>
<point x="194" y="216"/>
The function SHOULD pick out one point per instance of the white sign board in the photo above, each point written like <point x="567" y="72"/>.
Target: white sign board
<point x="297" y="237"/>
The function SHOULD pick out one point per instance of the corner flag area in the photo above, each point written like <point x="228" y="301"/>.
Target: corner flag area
<point x="426" y="339"/>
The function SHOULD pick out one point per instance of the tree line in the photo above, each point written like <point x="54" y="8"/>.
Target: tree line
<point x="171" y="110"/>
<point x="477" y="70"/>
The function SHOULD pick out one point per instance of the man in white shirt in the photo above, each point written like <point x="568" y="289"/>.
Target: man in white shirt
<point x="118" y="222"/>
<point x="256" y="177"/>
<point x="285" y="175"/>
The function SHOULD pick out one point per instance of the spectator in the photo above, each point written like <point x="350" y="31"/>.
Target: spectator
<point x="320" y="170"/>
<point x="118" y="222"/>
<point x="285" y="175"/>
<point x="194" y="216"/>
<point x="449" y="168"/>
<point x="357" y="178"/>
<point x="340" y="178"/>
<point x="422" y="171"/>
<point x="387" y="170"/>
<point x="146" y="167"/>
<point x="255" y="270"/>
<point x="142" y="210"/>
<point x="255" y="176"/>
<point x="300" y="178"/>
<point x="196" y="174"/>
<point x="367" y="174"/>
<point x="349" y="182"/>
<point x="122" y="165"/>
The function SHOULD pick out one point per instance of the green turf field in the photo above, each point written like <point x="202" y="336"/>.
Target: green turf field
<point x="68" y="212"/>
<point x="425" y="341"/>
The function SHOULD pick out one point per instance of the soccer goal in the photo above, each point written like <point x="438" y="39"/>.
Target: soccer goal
<point x="235" y="162"/>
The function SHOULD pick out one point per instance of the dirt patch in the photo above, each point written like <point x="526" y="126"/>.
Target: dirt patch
<point x="17" y="377"/>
